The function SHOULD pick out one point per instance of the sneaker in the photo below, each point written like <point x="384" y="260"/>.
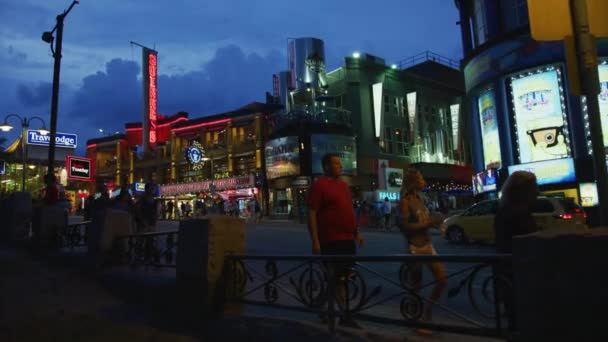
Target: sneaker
<point x="349" y="323"/>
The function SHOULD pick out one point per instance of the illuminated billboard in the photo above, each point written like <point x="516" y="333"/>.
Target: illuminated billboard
<point x="549" y="171"/>
<point x="149" y="79"/>
<point x="484" y="181"/>
<point x="540" y="115"/>
<point x="344" y="146"/>
<point x="589" y="196"/>
<point x="282" y="157"/>
<point x="489" y="130"/>
<point x="603" y="99"/>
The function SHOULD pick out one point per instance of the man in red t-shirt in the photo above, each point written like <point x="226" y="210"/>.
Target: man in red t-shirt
<point x="331" y="220"/>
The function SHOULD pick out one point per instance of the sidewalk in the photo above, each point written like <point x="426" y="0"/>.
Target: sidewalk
<point x="49" y="301"/>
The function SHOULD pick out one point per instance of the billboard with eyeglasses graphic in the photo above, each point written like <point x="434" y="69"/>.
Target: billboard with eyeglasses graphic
<point x="540" y="115"/>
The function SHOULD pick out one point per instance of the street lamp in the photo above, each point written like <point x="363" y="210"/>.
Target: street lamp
<point x="25" y="124"/>
<point x="47" y="37"/>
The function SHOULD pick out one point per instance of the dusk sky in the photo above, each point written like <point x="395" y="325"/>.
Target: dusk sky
<point x="213" y="56"/>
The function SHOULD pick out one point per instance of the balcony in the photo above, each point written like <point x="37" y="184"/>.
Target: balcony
<point x="301" y="117"/>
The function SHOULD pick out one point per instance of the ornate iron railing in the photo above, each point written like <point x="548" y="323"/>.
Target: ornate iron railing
<point x="378" y="289"/>
<point x="149" y="249"/>
<point x="74" y="235"/>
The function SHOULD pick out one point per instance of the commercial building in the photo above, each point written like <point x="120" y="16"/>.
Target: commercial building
<point x="523" y="114"/>
<point x="380" y="118"/>
<point x="216" y="155"/>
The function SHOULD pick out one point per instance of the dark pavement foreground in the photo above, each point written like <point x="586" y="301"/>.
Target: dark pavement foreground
<point x="55" y="298"/>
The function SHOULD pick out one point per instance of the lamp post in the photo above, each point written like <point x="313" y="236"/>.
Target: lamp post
<point x="48" y="38"/>
<point x="25" y="124"/>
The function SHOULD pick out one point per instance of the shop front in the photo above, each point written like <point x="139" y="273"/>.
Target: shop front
<point x="213" y="194"/>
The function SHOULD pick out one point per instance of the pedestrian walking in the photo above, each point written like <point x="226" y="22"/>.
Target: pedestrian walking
<point x="170" y="210"/>
<point x="332" y="225"/>
<point x="415" y="224"/>
<point x="513" y="217"/>
<point x="386" y="211"/>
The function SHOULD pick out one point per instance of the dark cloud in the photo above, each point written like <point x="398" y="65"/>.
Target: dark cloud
<point x="35" y="96"/>
<point x="108" y="99"/>
<point x="228" y="81"/>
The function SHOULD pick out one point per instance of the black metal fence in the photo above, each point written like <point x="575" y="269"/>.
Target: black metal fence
<point x="149" y="249"/>
<point x="74" y="235"/>
<point x="377" y="289"/>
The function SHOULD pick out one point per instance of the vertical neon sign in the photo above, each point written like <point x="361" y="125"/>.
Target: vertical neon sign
<point x="152" y="96"/>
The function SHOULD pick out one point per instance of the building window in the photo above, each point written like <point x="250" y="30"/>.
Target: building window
<point x="387" y="104"/>
<point x="386" y="144"/>
<point x="480" y="27"/>
<point x="399" y="106"/>
<point x="400" y="142"/>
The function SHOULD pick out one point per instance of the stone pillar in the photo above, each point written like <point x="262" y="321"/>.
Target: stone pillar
<point x="203" y="245"/>
<point x="118" y="163"/>
<point x="560" y="283"/>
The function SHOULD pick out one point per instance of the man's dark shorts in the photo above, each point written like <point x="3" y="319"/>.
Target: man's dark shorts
<point x="340" y="247"/>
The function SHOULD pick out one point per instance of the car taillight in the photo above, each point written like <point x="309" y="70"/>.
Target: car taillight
<point x="566" y="216"/>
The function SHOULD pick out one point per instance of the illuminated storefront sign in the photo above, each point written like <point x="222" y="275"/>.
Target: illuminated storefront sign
<point x="152" y="67"/>
<point x="377" y="98"/>
<point x="344" y="146"/>
<point x="489" y="130"/>
<point x="455" y="115"/>
<point x="411" y="113"/>
<point x="549" y="171"/>
<point x="282" y="157"/>
<point x="391" y="195"/>
<point x="484" y="181"/>
<point x="394" y="179"/>
<point x="64" y="140"/>
<point x="540" y="115"/>
<point x="140" y="187"/>
<point x="79" y="168"/>
<point x="218" y="184"/>
<point x="149" y="79"/>
<point x="194" y="155"/>
<point x="589" y="196"/>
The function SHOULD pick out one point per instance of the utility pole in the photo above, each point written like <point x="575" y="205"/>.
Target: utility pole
<point x="48" y="37"/>
<point x="586" y="53"/>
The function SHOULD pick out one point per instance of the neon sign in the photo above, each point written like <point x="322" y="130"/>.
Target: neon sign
<point x="152" y="93"/>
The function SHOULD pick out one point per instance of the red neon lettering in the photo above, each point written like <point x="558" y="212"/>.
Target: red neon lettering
<point x="152" y="95"/>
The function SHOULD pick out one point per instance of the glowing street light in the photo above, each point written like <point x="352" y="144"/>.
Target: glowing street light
<point x="356" y="55"/>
